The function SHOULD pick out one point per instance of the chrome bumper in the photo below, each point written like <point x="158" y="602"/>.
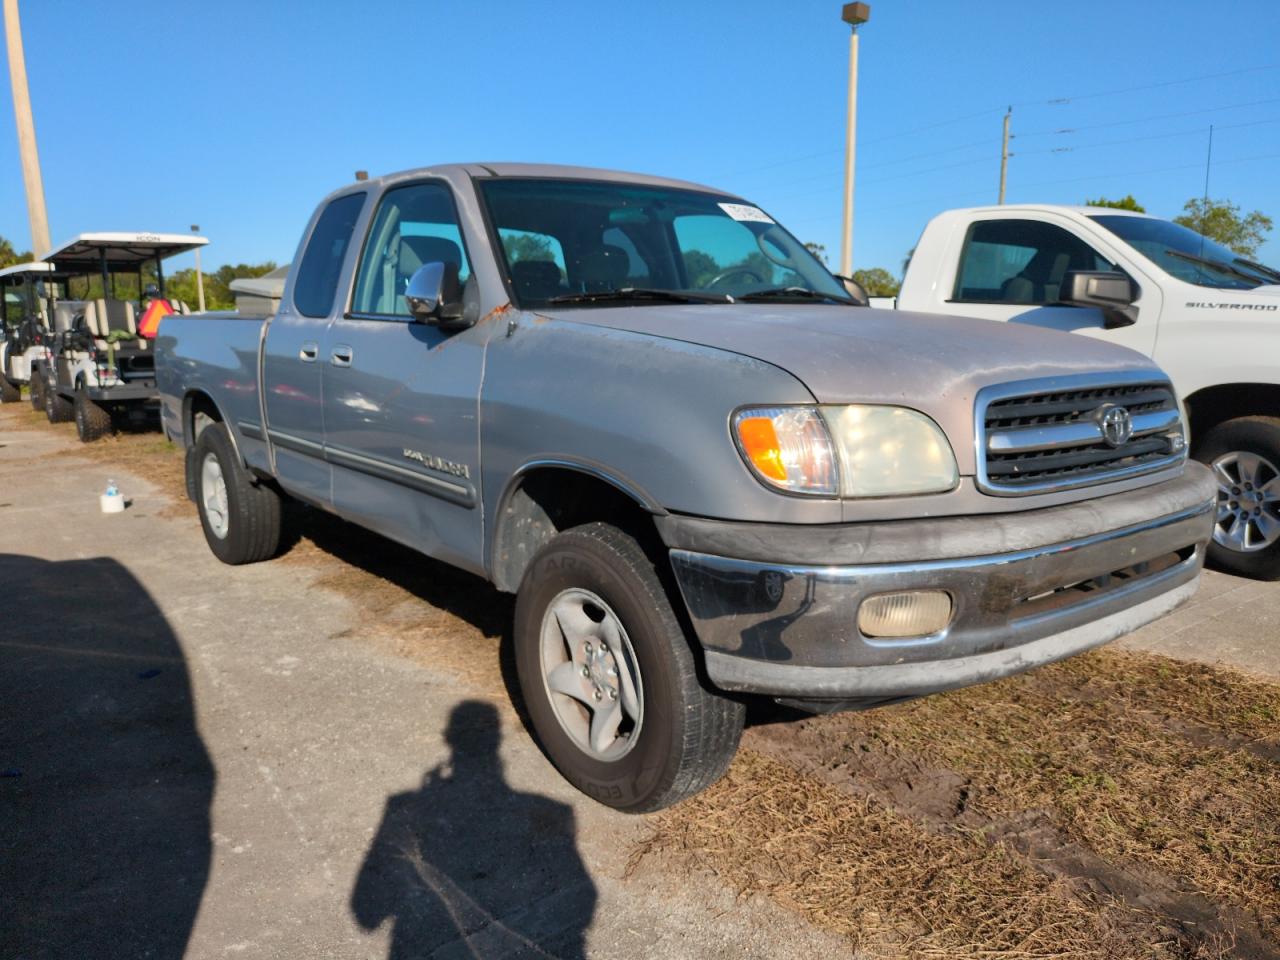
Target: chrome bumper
<point x="791" y="629"/>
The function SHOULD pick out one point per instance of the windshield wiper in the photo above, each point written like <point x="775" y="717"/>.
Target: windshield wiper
<point x="640" y="293"/>
<point x="1264" y="270"/>
<point x="1216" y="265"/>
<point x="797" y="293"/>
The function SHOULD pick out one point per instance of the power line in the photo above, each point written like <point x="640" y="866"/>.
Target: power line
<point x="1052" y="101"/>
<point x="1057" y="101"/>
<point x="1161" y="116"/>
<point x="1155" y="136"/>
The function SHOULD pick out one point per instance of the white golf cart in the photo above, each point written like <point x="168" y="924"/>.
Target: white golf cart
<point x="24" y="325"/>
<point x="100" y="364"/>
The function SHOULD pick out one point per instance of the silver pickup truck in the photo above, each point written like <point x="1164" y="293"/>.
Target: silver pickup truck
<point x="706" y="472"/>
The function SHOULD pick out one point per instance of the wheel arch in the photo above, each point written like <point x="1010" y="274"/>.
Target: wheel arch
<point x="1210" y="406"/>
<point x="545" y="497"/>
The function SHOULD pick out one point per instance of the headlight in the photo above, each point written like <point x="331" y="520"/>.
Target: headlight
<point x="855" y="451"/>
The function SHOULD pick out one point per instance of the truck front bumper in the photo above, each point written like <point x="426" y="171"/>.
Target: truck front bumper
<point x="1068" y="578"/>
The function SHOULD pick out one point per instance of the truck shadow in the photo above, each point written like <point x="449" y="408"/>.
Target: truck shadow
<point x="467" y="866"/>
<point x="105" y="782"/>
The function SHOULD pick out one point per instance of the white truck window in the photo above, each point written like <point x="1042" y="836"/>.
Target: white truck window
<point x="1020" y="261"/>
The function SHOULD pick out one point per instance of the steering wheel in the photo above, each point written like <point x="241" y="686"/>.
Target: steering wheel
<point x="733" y="272"/>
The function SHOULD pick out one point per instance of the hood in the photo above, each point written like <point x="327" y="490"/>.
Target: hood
<point x="934" y="364"/>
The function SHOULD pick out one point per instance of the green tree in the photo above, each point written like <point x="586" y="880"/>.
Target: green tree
<point x="218" y="295"/>
<point x="9" y="256"/>
<point x="1124" y="203"/>
<point x="526" y="246"/>
<point x="699" y="267"/>
<point x="818" y="250"/>
<point x="878" y="282"/>
<point x="1221" y="220"/>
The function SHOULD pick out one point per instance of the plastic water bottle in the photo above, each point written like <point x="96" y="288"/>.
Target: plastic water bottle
<point x="113" y="500"/>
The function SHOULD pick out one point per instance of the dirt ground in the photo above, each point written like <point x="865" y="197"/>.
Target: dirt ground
<point x="1121" y="804"/>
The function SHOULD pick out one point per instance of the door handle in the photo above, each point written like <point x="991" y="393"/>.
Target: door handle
<point x="310" y="350"/>
<point x="341" y="355"/>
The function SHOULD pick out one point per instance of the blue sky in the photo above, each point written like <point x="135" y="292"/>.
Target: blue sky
<point x="239" y="116"/>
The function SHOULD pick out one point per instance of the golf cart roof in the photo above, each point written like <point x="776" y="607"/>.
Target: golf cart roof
<point x="124" y="251"/>
<point x="21" y="268"/>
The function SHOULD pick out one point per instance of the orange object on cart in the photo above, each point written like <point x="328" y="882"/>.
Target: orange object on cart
<point x="157" y="310"/>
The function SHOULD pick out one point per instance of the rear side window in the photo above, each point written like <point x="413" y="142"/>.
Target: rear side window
<point x="317" y="281"/>
<point x="1020" y="261"/>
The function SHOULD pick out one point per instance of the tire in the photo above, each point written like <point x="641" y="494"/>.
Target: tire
<point x="246" y="528"/>
<point x="56" y="407"/>
<point x="36" y="392"/>
<point x="1244" y="455"/>
<point x="92" y="422"/>
<point x="10" y="392"/>
<point x="685" y="734"/>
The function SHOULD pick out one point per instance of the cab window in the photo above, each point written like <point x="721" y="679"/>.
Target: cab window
<point x="415" y="225"/>
<point x="1020" y="261"/>
<point x="321" y="265"/>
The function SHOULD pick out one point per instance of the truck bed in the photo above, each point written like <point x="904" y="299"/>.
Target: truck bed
<point x="216" y="352"/>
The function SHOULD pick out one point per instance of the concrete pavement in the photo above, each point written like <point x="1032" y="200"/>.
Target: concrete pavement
<point x="206" y="761"/>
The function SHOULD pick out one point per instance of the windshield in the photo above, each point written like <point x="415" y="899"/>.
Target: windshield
<point x="590" y="242"/>
<point x="1185" y="254"/>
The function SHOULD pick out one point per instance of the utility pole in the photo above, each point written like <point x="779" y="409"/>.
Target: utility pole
<point x="1004" y="155"/>
<point x="36" y="213"/>
<point x="195" y="228"/>
<point x="852" y="14"/>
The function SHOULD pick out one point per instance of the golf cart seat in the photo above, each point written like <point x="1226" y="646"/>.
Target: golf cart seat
<point x="64" y="314"/>
<point x="103" y="317"/>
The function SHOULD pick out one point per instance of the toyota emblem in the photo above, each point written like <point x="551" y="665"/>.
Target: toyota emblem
<point x="1116" y="424"/>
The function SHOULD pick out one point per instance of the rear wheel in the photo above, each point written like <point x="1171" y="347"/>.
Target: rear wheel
<point x="92" y="422"/>
<point x="1245" y="457"/>
<point x="609" y="678"/>
<point x="10" y="392"/>
<point x="239" y="513"/>
<point x="56" y="407"/>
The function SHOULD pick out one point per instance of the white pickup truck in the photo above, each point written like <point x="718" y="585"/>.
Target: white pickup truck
<point x="1208" y="316"/>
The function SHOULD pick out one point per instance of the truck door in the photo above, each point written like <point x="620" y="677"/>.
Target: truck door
<point x="1012" y="269"/>
<point x="402" y="397"/>
<point x="292" y="363"/>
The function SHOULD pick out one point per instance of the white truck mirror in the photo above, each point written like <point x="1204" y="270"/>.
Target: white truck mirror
<point x="1112" y="292"/>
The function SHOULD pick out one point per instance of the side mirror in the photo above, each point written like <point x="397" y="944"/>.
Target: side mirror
<point x="1113" y="293"/>
<point x="856" y="291"/>
<point x="434" y="295"/>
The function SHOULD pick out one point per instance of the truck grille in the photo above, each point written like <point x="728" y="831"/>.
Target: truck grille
<point x="1069" y="434"/>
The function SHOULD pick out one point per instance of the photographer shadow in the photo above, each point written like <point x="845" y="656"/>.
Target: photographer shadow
<point x="466" y="866"/>
<point x="105" y="782"/>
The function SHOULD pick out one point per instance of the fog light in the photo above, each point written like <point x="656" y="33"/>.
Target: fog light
<point x="911" y="613"/>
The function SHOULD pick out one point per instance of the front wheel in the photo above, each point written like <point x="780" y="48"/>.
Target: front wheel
<point x="1245" y="457"/>
<point x="609" y="678"/>
<point x="239" y="513"/>
<point x="92" y="422"/>
<point x="56" y="407"/>
<point x="36" y="391"/>
<point x="10" y="392"/>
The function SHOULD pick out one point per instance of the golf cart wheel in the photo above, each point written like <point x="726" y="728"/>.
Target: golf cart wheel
<point x="36" y="392"/>
<point x="92" y="421"/>
<point x="239" y="513"/>
<point x="56" y="407"/>
<point x="10" y="392"/>
<point x="609" y="678"/>
<point x="1245" y="457"/>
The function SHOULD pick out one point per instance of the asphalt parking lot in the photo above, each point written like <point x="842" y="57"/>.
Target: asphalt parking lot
<point x="319" y="756"/>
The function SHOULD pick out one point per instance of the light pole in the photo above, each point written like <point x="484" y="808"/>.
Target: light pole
<point x="853" y="14"/>
<point x="195" y="228"/>
<point x="36" y="213"/>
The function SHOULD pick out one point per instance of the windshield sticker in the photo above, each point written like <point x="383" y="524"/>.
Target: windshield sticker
<point x="743" y="211"/>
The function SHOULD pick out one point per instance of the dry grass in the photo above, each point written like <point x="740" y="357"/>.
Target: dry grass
<point x="1164" y="763"/>
<point x="849" y="864"/>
